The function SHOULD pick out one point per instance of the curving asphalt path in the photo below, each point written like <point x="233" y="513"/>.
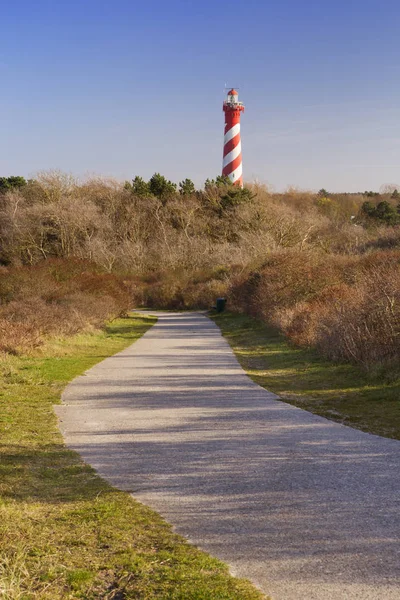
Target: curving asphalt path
<point x="304" y="507"/>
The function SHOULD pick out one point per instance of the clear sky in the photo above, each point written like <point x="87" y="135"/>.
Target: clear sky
<point x="128" y="87"/>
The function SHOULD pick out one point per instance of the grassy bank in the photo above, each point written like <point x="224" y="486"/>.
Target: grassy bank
<point x="64" y="532"/>
<point x="340" y="392"/>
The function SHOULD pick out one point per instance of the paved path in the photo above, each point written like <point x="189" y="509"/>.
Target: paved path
<point x="305" y="508"/>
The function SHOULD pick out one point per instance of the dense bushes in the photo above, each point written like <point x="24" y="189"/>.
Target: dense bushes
<point x="347" y="307"/>
<point x="383" y="211"/>
<point x="324" y="268"/>
<point x="106" y="222"/>
<point x="57" y="297"/>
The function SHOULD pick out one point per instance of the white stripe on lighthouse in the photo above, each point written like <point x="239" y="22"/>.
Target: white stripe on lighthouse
<point x="232" y="155"/>
<point x="231" y="133"/>
<point x="236" y="174"/>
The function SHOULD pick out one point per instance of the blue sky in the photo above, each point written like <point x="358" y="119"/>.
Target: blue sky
<point x="132" y="87"/>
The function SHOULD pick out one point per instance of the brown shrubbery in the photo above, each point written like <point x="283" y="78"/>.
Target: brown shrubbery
<point x="347" y="307"/>
<point x="56" y="297"/>
<point x="317" y="266"/>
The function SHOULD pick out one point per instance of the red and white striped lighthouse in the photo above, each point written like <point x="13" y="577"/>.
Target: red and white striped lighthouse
<point x="232" y="162"/>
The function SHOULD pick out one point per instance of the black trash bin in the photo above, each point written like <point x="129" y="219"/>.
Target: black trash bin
<point x="220" y="304"/>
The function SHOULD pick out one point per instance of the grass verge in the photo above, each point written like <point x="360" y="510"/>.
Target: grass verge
<point x="64" y="532"/>
<point x="340" y="392"/>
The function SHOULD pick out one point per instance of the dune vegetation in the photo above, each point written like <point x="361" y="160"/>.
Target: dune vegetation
<point x="324" y="269"/>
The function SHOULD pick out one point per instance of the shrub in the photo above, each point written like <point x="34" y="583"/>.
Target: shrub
<point x="362" y="325"/>
<point x="57" y="297"/>
<point x="347" y="307"/>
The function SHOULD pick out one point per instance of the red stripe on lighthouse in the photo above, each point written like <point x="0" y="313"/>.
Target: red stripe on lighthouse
<point x="232" y="166"/>
<point x="229" y="146"/>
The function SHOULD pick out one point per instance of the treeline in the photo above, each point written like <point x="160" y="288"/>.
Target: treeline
<point x="322" y="267"/>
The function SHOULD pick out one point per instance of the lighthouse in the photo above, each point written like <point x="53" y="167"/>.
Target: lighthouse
<point x="232" y="161"/>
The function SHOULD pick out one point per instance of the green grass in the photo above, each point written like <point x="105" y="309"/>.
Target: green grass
<point x="64" y="532"/>
<point x="340" y="392"/>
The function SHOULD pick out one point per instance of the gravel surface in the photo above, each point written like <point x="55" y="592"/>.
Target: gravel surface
<point x="304" y="507"/>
